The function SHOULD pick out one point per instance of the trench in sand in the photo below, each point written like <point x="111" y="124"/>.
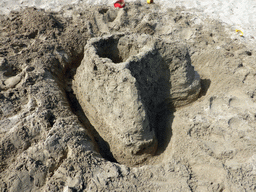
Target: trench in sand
<point x="101" y="145"/>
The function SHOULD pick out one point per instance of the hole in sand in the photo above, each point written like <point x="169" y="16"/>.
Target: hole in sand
<point x="11" y="71"/>
<point x="118" y="50"/>
<point x="205" y="85"/>
<point x="249" y="53"/>
<point x="103" y="10"/>
<point x="109" y="49"/>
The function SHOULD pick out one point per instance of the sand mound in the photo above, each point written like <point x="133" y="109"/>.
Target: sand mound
<point x="49" y="139"/>
<point x="124" y="81"/>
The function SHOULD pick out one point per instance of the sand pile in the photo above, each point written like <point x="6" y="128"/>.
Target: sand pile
<point x="49" y="140"/>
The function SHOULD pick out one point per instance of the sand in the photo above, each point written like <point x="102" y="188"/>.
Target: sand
<point x="240" y="14"/>
<point x="47" y="142"/>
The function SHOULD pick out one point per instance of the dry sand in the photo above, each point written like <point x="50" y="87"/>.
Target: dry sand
<point x="237" y="13"/>
<point x="48" y="144"/>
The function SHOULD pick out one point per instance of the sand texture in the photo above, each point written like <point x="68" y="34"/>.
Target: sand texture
<point x="134" y="99"/>
<point x="240" y="14"/>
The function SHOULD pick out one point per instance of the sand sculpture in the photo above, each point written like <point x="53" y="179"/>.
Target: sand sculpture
<point x="124" y="81"/>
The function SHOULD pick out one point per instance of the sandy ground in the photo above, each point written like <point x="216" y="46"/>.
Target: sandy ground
<point x="46" y="142"/>
<point x="238" y="13"/>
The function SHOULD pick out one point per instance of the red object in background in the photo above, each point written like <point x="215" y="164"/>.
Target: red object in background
<point x="119" y="4"/>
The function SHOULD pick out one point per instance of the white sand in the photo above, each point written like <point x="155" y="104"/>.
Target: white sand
<point x="240" y="14"/>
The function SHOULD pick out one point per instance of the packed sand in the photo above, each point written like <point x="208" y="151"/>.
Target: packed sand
<point x="85" y="107"/>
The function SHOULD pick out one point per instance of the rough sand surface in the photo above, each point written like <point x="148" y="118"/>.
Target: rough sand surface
<point x="48" y="144"/>
<point x="238" y="13"/>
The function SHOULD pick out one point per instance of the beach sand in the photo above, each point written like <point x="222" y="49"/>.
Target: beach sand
<point x="47" y="142"/>
<point x="240" y="14"/>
